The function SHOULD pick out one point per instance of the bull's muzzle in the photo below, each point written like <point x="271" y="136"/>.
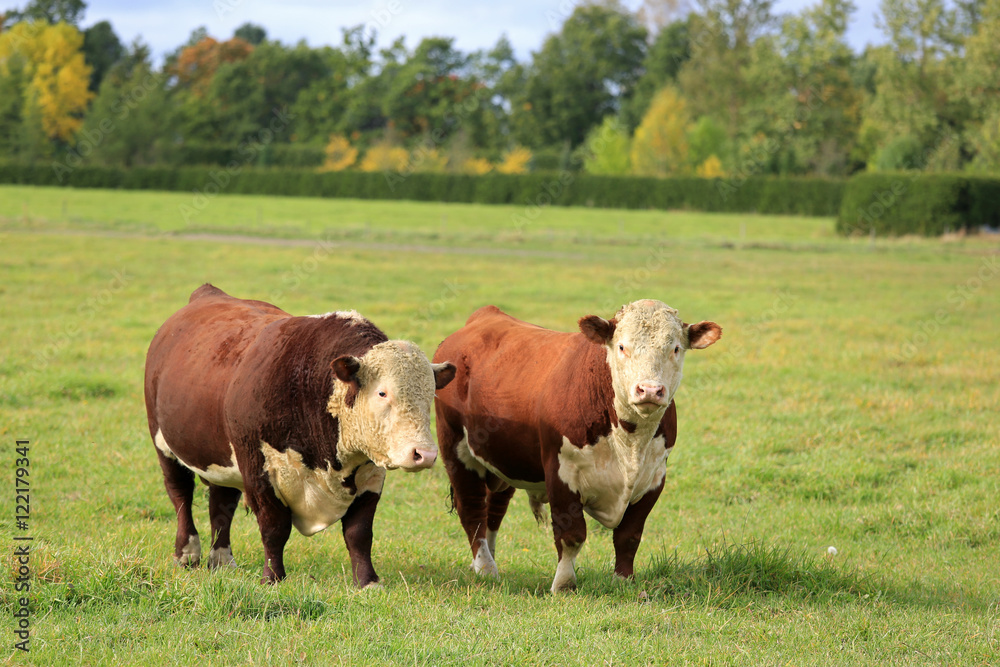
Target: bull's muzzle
<point x="420" y="459"/>
<point x="649" y="395"/>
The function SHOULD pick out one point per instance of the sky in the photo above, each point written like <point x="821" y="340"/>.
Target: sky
<point x="476" y="25"/>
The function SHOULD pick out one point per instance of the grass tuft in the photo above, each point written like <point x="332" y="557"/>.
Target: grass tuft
<point x="82" y="390"/>
<point x="223" y="597"/>
<point x="729" y="571"/>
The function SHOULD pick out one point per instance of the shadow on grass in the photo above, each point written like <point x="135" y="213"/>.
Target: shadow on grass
<point x="721" y="575"/>
<point x="725" y="575"/>
<point x="125" y="578"/>
<point x="729" y="574"/>
<point x="730" y="571"/>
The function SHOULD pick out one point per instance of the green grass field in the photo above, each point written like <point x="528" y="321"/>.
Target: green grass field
<point x="852" y="402"/>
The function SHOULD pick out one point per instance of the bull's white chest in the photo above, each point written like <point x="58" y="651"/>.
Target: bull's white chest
<point x="316" y="497"/>
<point x="613" y="473"/>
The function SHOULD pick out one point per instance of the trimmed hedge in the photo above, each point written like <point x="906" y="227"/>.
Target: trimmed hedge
<point x="894" y="204"/>
<point x="983" y="202"/>
<point x="889" y="203"/>
<point x="800" y="196"/>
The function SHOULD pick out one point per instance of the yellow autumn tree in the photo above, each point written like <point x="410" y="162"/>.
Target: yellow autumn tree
<point x="515" y="161"/>
<point x="710" y="168"/>
<point x="476" y="166"/>
<point x="429" y="161"/>
<point x="385" y="157"/>
<point x="340" y="154"/>
<point x="660" y="145"/>
<point x="55" y="72"/>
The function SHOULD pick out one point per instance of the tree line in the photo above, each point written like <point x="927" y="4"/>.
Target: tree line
<point x="728" y="88"/>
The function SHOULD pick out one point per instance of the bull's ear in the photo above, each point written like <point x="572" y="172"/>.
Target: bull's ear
<point x="702" y="335"/>
<point x="443" y="374"/>
<point x="597" y="329"/>
<point x="346" y="368"/>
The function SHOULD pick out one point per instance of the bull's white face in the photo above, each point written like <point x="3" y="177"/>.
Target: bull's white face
<point x="646" y="342"/>
<point x="383" y="401"/>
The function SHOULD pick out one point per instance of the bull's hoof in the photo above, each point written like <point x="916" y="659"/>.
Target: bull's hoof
<point x="270" y="578"/>
<point x="190" y="555"/>
<point x="372" y="586"/>
<point x="483" y="563"/>
<point x="566" y="586"/>
<point x="187" y="561"/>
<point x="221" y="558"/>
<point x="485" y="569"/>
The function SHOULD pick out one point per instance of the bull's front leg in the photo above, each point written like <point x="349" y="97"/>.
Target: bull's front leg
<point x="569" y="528"/>
<point x="275" y="522"/>
<point x="628" y="533"/>
<point x="357" y="524"/>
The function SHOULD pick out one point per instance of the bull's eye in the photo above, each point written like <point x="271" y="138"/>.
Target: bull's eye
<point x="677" y="348"/>
<point x="621" y="348"/>
<point x="382" y="393"/>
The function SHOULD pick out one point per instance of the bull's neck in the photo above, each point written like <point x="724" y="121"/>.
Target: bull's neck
<point x="626" y="423"/>
<point x="608" y="415"/>
<point x="637" y="424"/>
<point x="349" y="428"/>
<point x="310" y="345"/>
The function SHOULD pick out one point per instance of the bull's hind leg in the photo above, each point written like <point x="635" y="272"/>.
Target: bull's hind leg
<point x="470" y="504"/>
<point x="222" y="504"/>
<point x="179" y="482"/>
<point x="496" y="508"/>
<point x="569" y="528"/>
<point x="468" y="490"/>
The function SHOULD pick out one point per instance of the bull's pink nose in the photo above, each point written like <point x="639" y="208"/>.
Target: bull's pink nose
<point x="424" y="458"/>
<point x="649" y="391"/>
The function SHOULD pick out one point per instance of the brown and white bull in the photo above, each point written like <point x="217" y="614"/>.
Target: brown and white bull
<point x="584" y="421"/>
<point x="302" y="414"/>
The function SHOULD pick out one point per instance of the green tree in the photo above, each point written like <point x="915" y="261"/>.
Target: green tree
<point x="670" y="49"/>
<point x="195" y="67"/>
<point x="500" y="79"/>
<point x="251" y="33"/>
<point x="707" y="138"/>
<point x="581" y="74"/>
<point x="913" y="70"/>
<point x="606" y="150"/>
<point x="130" y="121"/>
<point x="101" y="49"/>
<point x="424" y="91"/>
<point x="51" y="11"/>
<point x="365" y="113"/>
<point x="978" y="84"/>
<point x="340" y="100"/>
<point x="822" y="104"/>
<point x="247" y="94"/>
<point x="14" y="80"/>
<point x="716" y="78"/>
<point x="319" y="108"/>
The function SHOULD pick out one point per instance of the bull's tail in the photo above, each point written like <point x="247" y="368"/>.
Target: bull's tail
<point x="541" y="516"/>
<point x="451" y="499"/>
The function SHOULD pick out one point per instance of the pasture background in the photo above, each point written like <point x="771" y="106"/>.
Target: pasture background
<point x="823" y="417"/>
